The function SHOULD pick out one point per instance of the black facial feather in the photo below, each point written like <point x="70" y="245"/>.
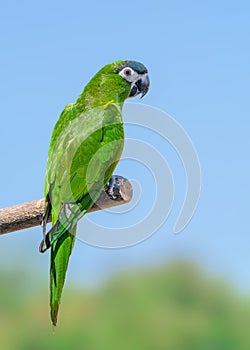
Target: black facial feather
<point x="136" y="66"/>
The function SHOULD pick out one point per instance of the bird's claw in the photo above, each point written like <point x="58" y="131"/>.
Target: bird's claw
<point x="113" y="186"/>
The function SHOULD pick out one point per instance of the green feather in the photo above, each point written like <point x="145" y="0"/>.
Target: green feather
<point x="86" y="144"/>
<point x="60" y="253"/>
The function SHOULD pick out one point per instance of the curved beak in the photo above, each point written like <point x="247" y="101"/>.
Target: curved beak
<point x="141" y="86"/>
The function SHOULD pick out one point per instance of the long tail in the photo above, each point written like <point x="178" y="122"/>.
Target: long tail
<point x="60" y="239"/>
<point x="60" y="253"/>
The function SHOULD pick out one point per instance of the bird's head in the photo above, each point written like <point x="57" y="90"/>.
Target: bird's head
<point x="135" y="74"/>
<point x="116" y="82"/>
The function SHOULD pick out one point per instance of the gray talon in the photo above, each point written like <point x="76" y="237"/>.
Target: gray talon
<point x="113" y="186"/>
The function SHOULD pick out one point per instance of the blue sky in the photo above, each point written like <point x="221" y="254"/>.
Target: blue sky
<point x="198" y="57"/>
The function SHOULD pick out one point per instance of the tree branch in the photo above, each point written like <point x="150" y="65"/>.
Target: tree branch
<point x="29" y="214"/>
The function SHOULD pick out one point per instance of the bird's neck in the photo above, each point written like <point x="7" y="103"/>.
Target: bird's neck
<point x="101" y="91"/>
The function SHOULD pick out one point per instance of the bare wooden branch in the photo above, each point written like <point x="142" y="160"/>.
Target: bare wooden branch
<point x="29" y="214"/>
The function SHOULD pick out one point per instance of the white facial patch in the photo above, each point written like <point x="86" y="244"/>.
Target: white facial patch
<point x="129" y="74"/>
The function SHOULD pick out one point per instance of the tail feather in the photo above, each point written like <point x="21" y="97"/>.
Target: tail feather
<point x="60" y="239"/>
<point x="60" y="253"/>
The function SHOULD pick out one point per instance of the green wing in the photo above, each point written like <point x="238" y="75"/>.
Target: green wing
<point x="82" y="153"/>
<point x="82" y="157"/>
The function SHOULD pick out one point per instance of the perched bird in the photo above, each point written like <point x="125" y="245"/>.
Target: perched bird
<point x="86" y="144"/>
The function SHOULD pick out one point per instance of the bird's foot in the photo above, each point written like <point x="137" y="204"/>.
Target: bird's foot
<point x="113" y="186"/>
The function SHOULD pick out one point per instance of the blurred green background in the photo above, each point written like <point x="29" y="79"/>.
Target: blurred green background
<point x="175" y="307"/>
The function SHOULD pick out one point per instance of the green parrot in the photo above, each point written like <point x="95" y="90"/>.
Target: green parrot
<point x="86" y="144"/>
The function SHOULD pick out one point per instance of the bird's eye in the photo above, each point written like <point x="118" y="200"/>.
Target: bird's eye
<point x="127" y="72"/>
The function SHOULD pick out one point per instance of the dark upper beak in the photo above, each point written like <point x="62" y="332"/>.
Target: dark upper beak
<point x="141" y="86"/>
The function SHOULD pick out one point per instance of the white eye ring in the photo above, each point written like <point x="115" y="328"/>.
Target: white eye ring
<point x="127" y="72"/>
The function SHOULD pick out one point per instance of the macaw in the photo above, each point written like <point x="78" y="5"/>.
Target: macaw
<point x="86" y="144"/>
